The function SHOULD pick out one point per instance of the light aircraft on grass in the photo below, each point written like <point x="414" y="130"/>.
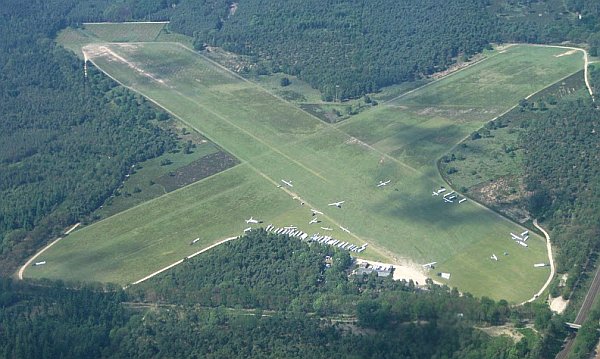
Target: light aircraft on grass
<point x="383" y="183"/>
<point x="462" y="200"/>
<point x="327" y="229"/>
<point x="195" y="241"/>
<point x="515" y="237"/>
<point x="315" y="212"/>
<point x="437" y="192"/>
<point x="344" y="229"/>
<point x="252" y="220"/>
<point x="449" y="194"/>
<point x="337" y="204"/>
<point x="247" y="229"/>
<point x="448" y="200"/>
<point x="494" y="257"/>
<point x="288" y="183"/>
<point x="314" y="220"/>
<point x="429" y="265"/>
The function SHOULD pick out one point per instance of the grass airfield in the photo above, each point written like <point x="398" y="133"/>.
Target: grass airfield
<point x="399" y="140"/>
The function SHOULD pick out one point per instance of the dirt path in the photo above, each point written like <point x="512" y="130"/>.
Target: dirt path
<point x="586" y="63"/>
<point x="22" y="269"/>
<point x="550" y="258"/>
<point x="181" y="260"/>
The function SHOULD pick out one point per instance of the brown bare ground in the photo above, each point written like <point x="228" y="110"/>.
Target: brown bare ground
<point x="497" y="194"/>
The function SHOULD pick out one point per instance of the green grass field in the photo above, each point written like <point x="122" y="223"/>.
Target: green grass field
<point x="419" y="127"/>
<point x="75" y="38"/>
<point x="142" y="185"/>
<point x="125" y="32"/>
<point x="275" y="140"/>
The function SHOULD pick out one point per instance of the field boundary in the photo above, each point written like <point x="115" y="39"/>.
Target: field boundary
<point x="182" y="260"/>
<point x="24" y="266"/>
<point x="586" y="63"/>
<point x="550" y="258"/>
<point x="125" y="22"/>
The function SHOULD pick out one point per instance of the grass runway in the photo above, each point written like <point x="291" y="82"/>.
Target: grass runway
<point x="399" y="140"/>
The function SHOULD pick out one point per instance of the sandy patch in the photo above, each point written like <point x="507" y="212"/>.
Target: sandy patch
<point x="502" y="330"/>
<point x="406" y="272"/>
<point x="94" y="50"/>
<point x="503" y="47"/>
<point x="558" y="304"/>
<point x="566" y="53"/>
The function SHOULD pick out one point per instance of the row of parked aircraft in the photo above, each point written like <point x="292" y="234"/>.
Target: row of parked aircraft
<point x="520" y="239"/>
<point x="449" y="197"/>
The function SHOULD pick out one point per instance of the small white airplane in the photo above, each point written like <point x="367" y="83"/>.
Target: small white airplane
<point x="247" y="229"/>
<point x="195" y="241"/>
<point x="288" y="183"/>
<point x="40" y="263"/>
<point x="344" y="229"/>
<point x="429" y="265"/>
<point x="327" y="229"/>
<point x="314" y="220"/>
<point x="435" y="193"/>
<point x="462" y="200"/>
<point x="494" y="257"/>
<point x="337" y="204"/>
<point x="526" y="233"/>
<point x="449" y="194"/>
<point x="515" y="237"/>
<point x="315" y="212"/>
<point x="383" y="183"/>
<point x="522" y="243"/>
<point x="448" y="200"/>
<point x="252" y="220"/>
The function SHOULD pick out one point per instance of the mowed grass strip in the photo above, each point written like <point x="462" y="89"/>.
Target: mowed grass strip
<point x="134" y="243"/>
<point x="421" y="126"/>
<point x="125" y="32"/>
<point x="277" y="140"/>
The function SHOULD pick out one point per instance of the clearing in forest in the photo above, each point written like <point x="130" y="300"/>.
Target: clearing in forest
<point x="397" y="141"/>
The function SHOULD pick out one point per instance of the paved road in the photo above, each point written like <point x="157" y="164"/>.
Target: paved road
<point x="589" y="300"/>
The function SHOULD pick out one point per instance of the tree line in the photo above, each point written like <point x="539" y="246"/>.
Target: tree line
<point x="174" y="315"/>
<point x="66" y="143"/>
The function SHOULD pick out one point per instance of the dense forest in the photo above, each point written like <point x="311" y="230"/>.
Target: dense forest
<point x="66" y="143"/>
<point x="352" y="47"/>
<point x="371" y="317"/>
<point x="562" y="172"/>
<point x="343" y="48"/>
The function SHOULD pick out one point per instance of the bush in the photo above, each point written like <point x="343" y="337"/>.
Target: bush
<point x="285" y="82"/>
